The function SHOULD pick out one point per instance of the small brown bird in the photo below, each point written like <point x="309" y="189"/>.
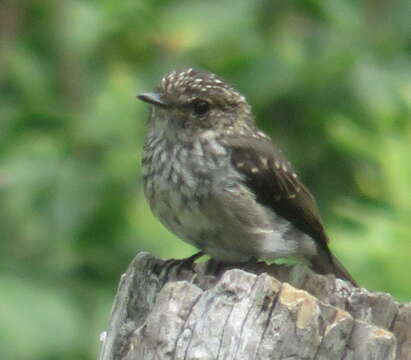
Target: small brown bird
<point x="219" y="183"/>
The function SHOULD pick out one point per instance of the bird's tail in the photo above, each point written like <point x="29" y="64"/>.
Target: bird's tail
<point x="326" y="263"/>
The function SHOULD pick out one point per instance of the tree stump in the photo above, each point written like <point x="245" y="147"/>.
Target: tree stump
<point x="167" y="310"/>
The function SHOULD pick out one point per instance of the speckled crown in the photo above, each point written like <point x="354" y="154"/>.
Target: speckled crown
<point x="188" y="84"/>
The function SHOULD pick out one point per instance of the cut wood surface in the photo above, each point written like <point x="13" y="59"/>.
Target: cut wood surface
<point x="168" y="310"/>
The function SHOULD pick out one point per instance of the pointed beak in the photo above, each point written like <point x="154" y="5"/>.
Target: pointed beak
<point x="152" y="98"/>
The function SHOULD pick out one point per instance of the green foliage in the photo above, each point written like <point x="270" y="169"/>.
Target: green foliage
<point x="330" y="80"/>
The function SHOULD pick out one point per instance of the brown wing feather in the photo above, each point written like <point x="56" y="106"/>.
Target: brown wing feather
<point x="273" y="181"/>
<point x="270" y="176"/>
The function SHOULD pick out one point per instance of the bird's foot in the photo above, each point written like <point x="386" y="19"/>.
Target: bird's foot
<point x="176" y="266"/>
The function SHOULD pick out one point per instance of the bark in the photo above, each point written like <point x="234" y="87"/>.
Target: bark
<point x="168" y="310"/>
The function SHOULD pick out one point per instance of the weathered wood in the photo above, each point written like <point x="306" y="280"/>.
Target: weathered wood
<point x="165" y="310"/>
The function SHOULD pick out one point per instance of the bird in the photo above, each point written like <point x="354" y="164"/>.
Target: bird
<point x="218" y="182"/>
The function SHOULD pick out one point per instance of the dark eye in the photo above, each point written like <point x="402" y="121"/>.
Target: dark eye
<point x="201" y="106"/>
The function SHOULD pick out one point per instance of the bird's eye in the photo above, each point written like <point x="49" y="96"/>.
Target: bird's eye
<point x="201" y="106"/>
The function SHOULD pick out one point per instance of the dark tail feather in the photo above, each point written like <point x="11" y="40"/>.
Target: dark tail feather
<point x="327" y="263"/>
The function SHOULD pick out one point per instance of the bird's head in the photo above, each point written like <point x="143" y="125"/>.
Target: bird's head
<point x="188" y="102"/>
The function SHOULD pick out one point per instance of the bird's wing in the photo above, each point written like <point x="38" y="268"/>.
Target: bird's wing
<point x="271" y="178"/>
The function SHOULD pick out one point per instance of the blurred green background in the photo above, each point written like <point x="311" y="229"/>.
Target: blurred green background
<point x="329" y="80"/>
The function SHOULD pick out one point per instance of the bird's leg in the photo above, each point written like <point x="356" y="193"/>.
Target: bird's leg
<point x="177" y="265"/>
<point x="188" y="262"/>
<point x="181" y="264"/>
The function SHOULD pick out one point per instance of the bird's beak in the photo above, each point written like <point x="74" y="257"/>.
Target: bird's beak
<point x="152" y="98"/>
